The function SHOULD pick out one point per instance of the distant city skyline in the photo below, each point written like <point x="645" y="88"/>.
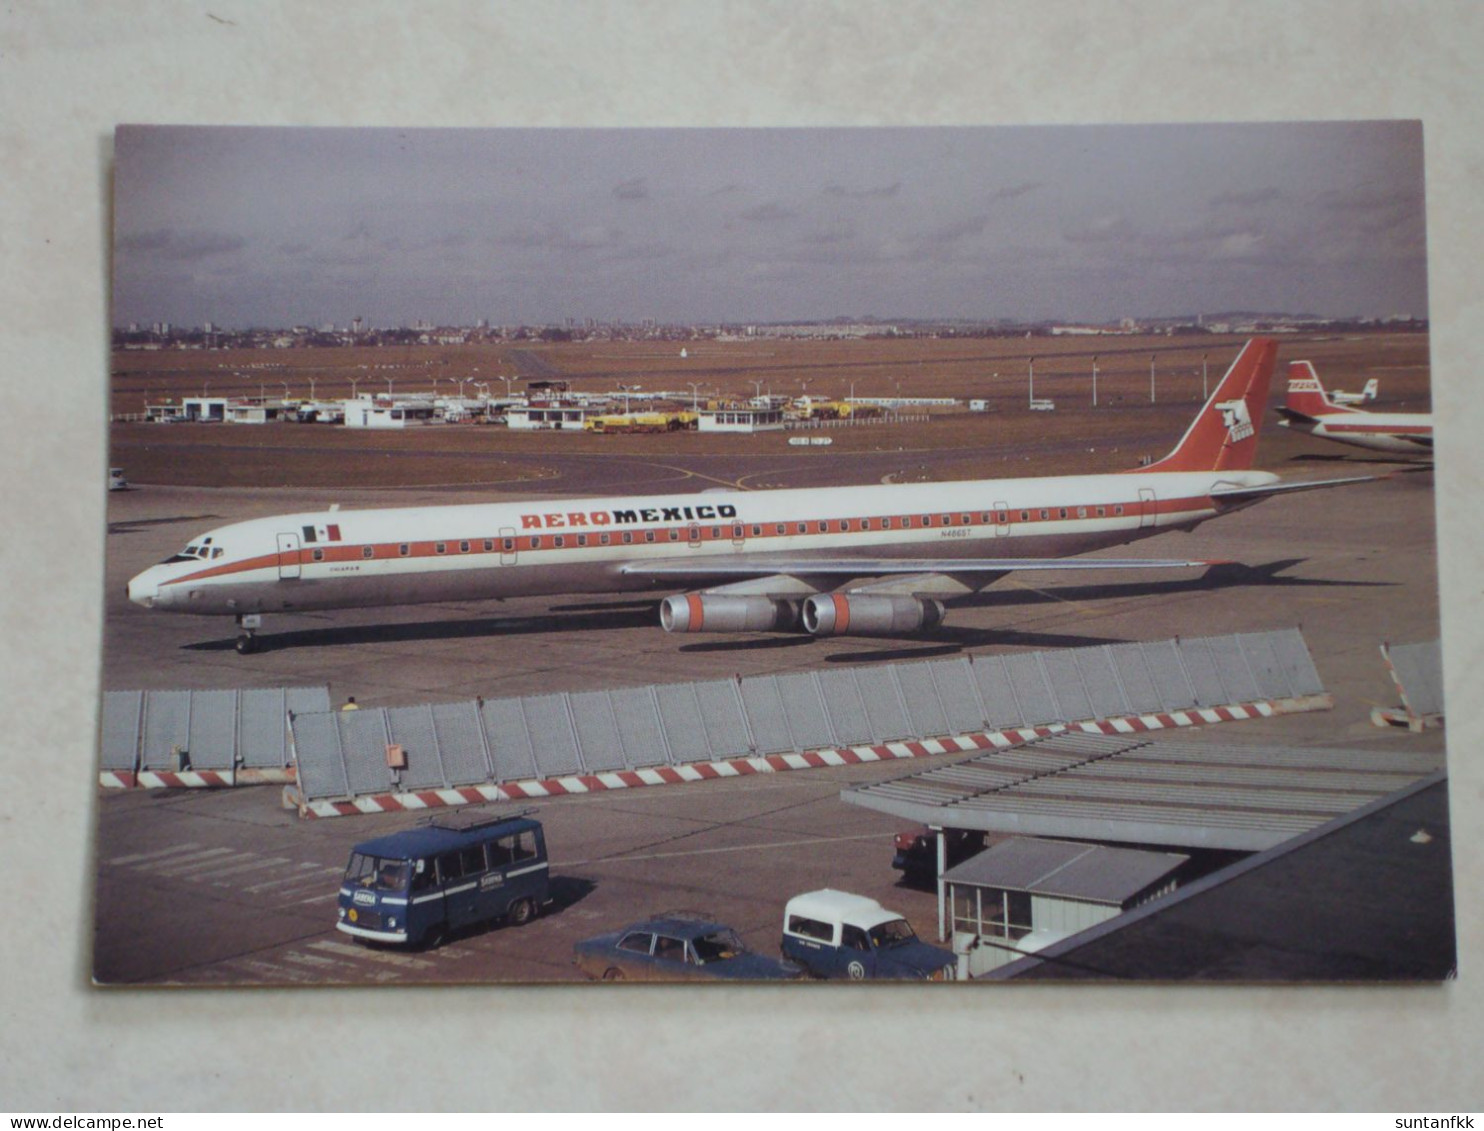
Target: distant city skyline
<point x="245" y="227"/>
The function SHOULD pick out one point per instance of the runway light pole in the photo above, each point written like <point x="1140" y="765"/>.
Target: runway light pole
<point x="1151" y="378"/>
<point x="1094" y="380"/>
<point x="1204" y="394"/>
<point x="1032" y="382"/>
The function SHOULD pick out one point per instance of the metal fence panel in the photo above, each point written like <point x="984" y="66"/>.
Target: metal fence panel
<point x="680" y="715"/>
<point x="886" y="715"/>
<point x="954" y="680"/>
<point x="923" y="706"/>
<point x="763" y="700"/>
<point x="597" y="731"/>
<point x="1237" y="682"/>
<point x="1418" y="671"/>
<point x="1205" y="678"/>
<point x="363" y="739"/>
<point x="319" y="762"/>
<point x="1037" y="702"/>
<point x="1293" y="654"/>
<point x="847" y="709"/>
<point x="213" y="730"/>
<point x="552" y="739"/>
<point x="721" y="714"/>
<point x="807" y="718"/>
<point x="1100" y="682"/>
<point x="119" y="745"/>
<point x="1133" y="673"/>
<point x="262" y="727"/>
<point x="412" y="729"/>
<point x="1001" y="708"/>
<point x="511" y="753"/>
<point x="305" y="699"/>
<point x="1068" y="685"/>
<point x="1263" y="663"/>
<point x="167" y="728"/>
<point x="1170" y="681"/>
<point x="460" y="743"/>
<point x="639" y="727"/>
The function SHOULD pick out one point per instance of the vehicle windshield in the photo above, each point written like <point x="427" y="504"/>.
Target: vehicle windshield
<point x="375" y="872"/>
<point x="196" y="551"/>
<point x="893" y="933"/>
<point x="717" y="946"/>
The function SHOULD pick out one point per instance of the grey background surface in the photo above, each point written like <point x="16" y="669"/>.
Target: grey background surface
<point x="69" y="75"/>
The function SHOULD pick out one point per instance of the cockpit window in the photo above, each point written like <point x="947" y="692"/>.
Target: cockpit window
<point x="204" y="551"/>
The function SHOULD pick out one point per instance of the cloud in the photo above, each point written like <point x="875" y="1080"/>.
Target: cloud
<point x="635" y="189"/>
<point x="180" y="247"/>
<point x="881" y="191"/>
<point x="770" y="213"/>
<point x="1011" y="192"/>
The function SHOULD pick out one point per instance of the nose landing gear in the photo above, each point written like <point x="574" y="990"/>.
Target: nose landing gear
<point x="247" y="642"/>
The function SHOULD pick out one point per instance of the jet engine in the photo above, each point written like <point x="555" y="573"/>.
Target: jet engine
<point x="726" y="612"/>
<point x="869" y="614"/>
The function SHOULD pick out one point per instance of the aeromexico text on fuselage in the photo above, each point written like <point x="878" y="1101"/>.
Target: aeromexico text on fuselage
<point x="551" y="520"/>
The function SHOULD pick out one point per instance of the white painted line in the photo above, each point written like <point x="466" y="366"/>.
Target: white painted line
<point x="406" y="961"/>
<point x="185" y="863"/>
<point x="136" y="857"/>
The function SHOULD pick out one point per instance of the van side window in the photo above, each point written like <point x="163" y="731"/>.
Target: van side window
<point x="422" y="881"/>
<point x="449" y="868"/>
<point x="471" y="860"/>
<point x="523" y="846"/>
<point x="636" y="941"/>
<point x="853" y="938"/>
<point x="502" y="851"/>
<point x="810" y="928"/>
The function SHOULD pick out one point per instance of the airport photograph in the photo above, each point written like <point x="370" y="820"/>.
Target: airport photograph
<point x="935" y="554"/>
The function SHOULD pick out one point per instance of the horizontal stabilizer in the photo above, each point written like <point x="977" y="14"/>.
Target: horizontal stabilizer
<point x="1239" y="494"/>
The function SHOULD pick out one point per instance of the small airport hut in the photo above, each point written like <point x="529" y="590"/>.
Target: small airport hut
<point x="558" y="417"/>
<point x="1025" y="893"/>
<point x="367" y="413"/>
<point x="740" y="420"/>
<point x="204" y="409"/>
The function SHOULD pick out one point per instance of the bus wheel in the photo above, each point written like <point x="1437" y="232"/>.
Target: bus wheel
<point x="522" y="911"/>
<point x="613" y="974"/>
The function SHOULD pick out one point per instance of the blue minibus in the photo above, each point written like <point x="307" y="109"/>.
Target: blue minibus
<point x="418" y="886"/>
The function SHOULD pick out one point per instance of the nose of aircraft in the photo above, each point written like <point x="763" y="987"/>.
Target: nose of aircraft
<point x="145" y="587"/>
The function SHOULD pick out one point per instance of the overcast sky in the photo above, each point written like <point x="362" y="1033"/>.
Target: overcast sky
<point x="275" y="227"/>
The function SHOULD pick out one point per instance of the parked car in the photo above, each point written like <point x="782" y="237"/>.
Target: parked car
<point x="917" y="852"/>
<point x="675" y="946"/>
<point x="834" y="934"/>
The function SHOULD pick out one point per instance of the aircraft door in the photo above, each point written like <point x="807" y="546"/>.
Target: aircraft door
<point x="1001" y="520"/>
<point x="1147" y="507"/>
<point x="288" y="557"/>
<point x="507" y="545"/>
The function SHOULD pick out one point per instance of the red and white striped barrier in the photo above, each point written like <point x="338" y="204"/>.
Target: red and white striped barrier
<point x="777" y="763"/>
<point x="192" y="779"/>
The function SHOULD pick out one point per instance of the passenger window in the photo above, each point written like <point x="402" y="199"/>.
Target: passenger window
<point x="810" y="928"/>
<point x="471" y="860"/>
<point x="463" y="547"/>
<point x="674" y="536"/>
<point x="776" y="530"/>
<point x="440" y="547"/>
<point x="319" y="555"/>
<point x="604" y="539"/>
<point x="422" y="881"/>
<point x="582" y="539"/>
<point x="670" y="950"/>
<point x="404" y="549"/>
<point x="489" y="544"/>
<point x="502" y="852"/>
<point x="448" y="868"/>
<point x="627" y="537"/>
<point x="535" y="543"/>
<point x="523" y="846"/>
<point x="637" y="941"/>
<point x="368" y="551"/>
<point x="507" y="544"/>
<point x="558" y="541"/>
<point x="853" y="938"/>
<point x="649" y="536"/>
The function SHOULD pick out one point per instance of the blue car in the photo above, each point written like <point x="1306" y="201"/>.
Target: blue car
<point x="674" y="947"/>
<point x="834" y="934"/>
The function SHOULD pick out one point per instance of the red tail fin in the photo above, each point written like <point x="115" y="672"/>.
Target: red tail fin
<point x="1305" y="394"/>
<point x="1224" y="435"/>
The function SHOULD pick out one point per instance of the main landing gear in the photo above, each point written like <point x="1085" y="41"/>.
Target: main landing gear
<point x="249" y="623"/>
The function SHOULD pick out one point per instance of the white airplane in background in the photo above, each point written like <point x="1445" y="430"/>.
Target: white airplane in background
<point x="1308" y="408"/>
<point x="1369" y="393"/>
<point x="744" y="561"/>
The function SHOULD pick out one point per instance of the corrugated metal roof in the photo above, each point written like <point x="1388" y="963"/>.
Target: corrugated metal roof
<point x="1091" y="872"/>
<point x="1139" y="789"/>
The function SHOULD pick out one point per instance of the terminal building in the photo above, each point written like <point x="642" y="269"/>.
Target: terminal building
<point x="740" y="419"/>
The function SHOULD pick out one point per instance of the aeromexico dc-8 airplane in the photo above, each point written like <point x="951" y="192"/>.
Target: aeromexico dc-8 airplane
<point x="869" y="560"/>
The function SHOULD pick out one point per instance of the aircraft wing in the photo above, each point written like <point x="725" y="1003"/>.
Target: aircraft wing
<point x="743" y="565"/>
<point x="1295" y="416"/>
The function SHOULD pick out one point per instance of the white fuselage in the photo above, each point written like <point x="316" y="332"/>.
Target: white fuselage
<point x="341" y="559"/>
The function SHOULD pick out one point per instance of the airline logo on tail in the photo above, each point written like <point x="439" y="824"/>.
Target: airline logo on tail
<point x="1238" y="421"/>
